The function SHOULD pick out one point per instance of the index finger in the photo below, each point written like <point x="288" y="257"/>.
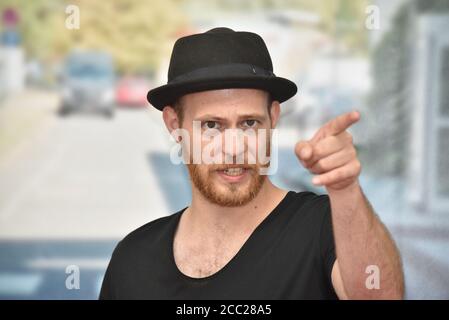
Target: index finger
<point x="341" y="123"/>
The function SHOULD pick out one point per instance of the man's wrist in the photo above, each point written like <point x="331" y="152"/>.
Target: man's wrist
<point x="352" y="189"/>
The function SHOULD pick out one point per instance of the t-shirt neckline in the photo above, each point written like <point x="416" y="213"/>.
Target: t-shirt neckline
<point x="280" y="206"/>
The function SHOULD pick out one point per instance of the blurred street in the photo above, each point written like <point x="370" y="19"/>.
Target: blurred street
<point x="75" y="186"/>
<point x="78" y="174"/>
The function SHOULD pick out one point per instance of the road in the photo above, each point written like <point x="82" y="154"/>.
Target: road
<point x="75" y="187"/>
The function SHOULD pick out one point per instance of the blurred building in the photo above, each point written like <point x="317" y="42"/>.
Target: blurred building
<point x="12" y="69"/>
<point x="429" y="140"/>
<point x="408" y="138"/>
<point x="409" y="70"/>
<point x="12" y="60"/>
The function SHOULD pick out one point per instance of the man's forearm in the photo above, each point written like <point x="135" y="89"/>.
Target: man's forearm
<point x="362" y="241"/>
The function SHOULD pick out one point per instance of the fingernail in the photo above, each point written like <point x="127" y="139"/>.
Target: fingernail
<point x="316" y="180"/>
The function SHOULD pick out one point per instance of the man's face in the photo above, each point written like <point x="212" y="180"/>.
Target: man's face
<point x="233" y="184"/>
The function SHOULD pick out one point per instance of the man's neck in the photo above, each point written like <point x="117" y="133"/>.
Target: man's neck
<point x="204" y="216"/>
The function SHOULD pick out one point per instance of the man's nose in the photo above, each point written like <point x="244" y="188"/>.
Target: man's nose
<point x="234" y="145"/>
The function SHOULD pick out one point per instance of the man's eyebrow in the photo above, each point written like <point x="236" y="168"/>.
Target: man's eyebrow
<point x="209" y="117"/>
<point x="256" y="116"/>
<point x="213" y="117"/>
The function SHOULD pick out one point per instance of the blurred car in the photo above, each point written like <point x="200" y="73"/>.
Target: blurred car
<point x="88" y="83"/>
<point x="132" y="91"/>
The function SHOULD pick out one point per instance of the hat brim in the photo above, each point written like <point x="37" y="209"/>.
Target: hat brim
<point x="281" y="89"/>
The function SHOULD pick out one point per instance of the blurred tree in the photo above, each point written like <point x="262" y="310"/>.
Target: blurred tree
<point x="435" y="6"/>
<point x="35" y="24"/>
<point x="388" y="100"/>
<point x="345" y="19"/>
<point x="137" y="33"/>
<point x="349" y="23"/>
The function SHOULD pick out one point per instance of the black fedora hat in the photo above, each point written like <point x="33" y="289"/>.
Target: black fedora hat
<point x="220" y="58"/>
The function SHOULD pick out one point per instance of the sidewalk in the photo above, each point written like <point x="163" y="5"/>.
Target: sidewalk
<point x="21" y="116"/>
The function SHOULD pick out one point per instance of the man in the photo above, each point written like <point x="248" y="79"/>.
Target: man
<point x="242" y="237"/>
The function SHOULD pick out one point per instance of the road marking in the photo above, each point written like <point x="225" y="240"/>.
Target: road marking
<point x="19" y="284"/>
<point x="62" y="263"/>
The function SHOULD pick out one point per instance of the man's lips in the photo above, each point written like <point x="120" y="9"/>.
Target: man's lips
<point x="233" y="174"/>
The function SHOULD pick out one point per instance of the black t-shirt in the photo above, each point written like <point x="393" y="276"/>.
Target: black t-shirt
<point x="288" y="256"/>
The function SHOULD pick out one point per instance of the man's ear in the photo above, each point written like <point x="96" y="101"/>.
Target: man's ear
<point x="275" y="113"/>
<point x="170" y="118"/>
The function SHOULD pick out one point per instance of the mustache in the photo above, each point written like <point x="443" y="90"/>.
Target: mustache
<point x="230" y="166"/>
<point x="221" y="167"/>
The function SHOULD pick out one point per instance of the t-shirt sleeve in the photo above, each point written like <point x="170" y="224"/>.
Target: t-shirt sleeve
<point x="107" y="291"/>
<point x="327" y="243"/>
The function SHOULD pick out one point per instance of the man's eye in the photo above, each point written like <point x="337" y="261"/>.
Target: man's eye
<point x="249" y="123"/>
<point x="211" y="125"/>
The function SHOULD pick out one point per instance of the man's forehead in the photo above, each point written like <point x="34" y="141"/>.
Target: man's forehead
<point x="225" y="101"/>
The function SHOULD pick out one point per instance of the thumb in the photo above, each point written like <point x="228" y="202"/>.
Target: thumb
<point x="304" y="151"/>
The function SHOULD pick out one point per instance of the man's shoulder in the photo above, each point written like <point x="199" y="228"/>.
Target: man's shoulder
<point x="151" y="228"/>
<point x="149" y="235"/>
<point x="307" y="200"/>
<point x="307" y="208"/>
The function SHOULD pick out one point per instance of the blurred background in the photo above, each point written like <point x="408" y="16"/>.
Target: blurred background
<point x="84" y="159"/>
